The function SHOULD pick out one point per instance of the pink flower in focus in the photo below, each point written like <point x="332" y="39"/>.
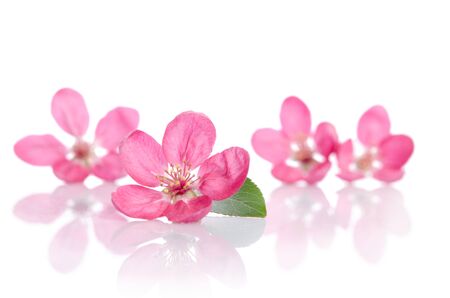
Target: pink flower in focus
<point x="295" y="152"/>
<point x="184" y="195"/>
<point x="74" y="164"/>
<point x="384" y="154"/>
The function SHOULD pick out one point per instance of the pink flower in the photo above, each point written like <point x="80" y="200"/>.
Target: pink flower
<point x="74" y="164"/>
<point x="295" y="152"/>
<point x="185" y="196"/>
<point x="384" y="154"/>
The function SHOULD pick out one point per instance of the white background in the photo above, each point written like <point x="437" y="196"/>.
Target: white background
<point x="235" y="61"/>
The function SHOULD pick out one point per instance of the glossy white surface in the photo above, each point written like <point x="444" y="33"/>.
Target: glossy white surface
<point x="235" y="62"/>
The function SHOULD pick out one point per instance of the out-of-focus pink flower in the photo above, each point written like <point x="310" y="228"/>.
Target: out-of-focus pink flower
<point x="384" y="155"/>
<point x="74" y="164"/>
<point x="185" y="196"/>
<point x="295" y="152"/>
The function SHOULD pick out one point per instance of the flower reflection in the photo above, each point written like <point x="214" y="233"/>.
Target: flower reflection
<point x="298" y="215"/>
<point x="301" y="215"/>
<point x="86" y="206"/>
<point x="381" y="213"/>
<point x="180" y="258"/>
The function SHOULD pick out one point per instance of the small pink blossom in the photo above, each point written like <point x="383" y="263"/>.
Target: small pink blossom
<point x="74" y="164"/>
<point x="184" y="195"/>
<point x="384" y="154"/>
<point x="295" y="152"/>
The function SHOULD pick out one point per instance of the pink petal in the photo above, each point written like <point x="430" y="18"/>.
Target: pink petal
<point x="70" y="112"/>
<point x="140" y="202"/>
<point x="295" y="118"/>
<point x="286" y="173"/>
<point x="395" y="151"/>
<point x="350" y="176"/>
<point x="115" y="126"/>
<point x="40" y="150"/>
<point x="345" y="155"/>
<point x="70" y="171"/>
<point x="189" y="138"/>
<point x="317" y="173"/>
<point x="374" y="125"/>
<point x="109" y="167"/>
<point x="190" y="211"/>
<point x="326" y="139"/>
<point x="68" y="247"/>
<point x="223" y="174"/>
<point x="388" y="175"/>
<point x="143" y="158"/>
<point x="39" y="208"/>
<point x="272" y="145"/>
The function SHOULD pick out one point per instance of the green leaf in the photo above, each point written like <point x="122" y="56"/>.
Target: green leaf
<point x="248" y="202"/>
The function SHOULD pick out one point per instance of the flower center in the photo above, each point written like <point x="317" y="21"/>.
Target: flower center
<point x="303" y="155"/>
<point x="83" y="152"/>
<point x="365" y="162"/>
<point x="178" y="181"/>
